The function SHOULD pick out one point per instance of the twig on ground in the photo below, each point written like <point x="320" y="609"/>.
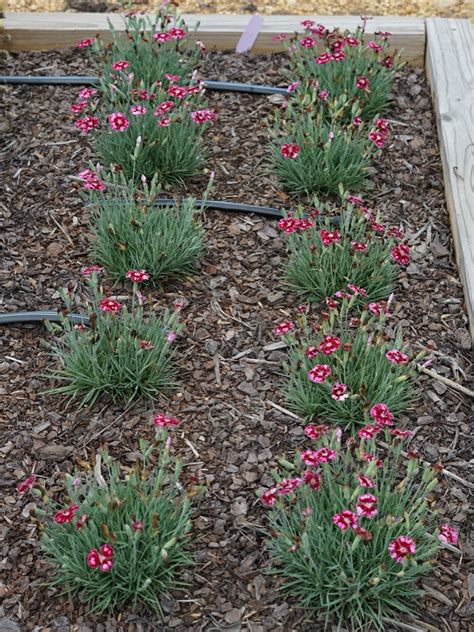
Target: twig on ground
<point x="445" y="380"/>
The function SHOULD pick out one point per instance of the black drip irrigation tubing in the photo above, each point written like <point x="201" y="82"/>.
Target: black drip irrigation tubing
<point x="230" y="207"/>
<point x="220" y="86"/>
<point x="33" y="317"/>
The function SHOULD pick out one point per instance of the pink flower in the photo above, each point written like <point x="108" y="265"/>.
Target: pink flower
<point x="178" y="92"/>
<point x="381" y="414"/>
<point x="110" y="305"/>
<point x="172" y="78"/>
<point x="161" y="37"/>
<point x="307" y="24"/>
<point x="323" y="95"/>
<point x="338" y="55"/>
<point x="315" y="432"/>
<point x="294" y="224"/>
<point x="319" y="373"/>
<point x="329" y="344"/>
<point x="65" y="515"/>
<point x="312" y="479"/>
<point x="357" y="290"/>
<point x="137" y="526"/>
<point x="373" y="458"/>
<point x="331" y="303"/>
<point x="377" y="138"/>
<point x="171" y="336"/>
<point x="82" y="521"/>
<point x="164" y="107"/>
<point x="339" y="392"/>
<point x="203" y="116"/>
<point x="374" y="46"/>
<point x="118" y="121"/>
<point x="311" y="352"/>
<point x="324" y="58"/>
<point x="162" y="421"/>
<point x="379" y="228"/>
<point x="316" y="457"/>
<point x="85" y="42"/>
<point x="120" y="65"/>
<point x="368" y="432"/>
<point x="87" y="93"/>
<point x="164" y="122"/>
<point x="383" y="34"/>
<point x="138" y="110"/>
<point x="329" y="237"/>
<point x="401" y="548"/>
<point x="448" y="534"/>
<point x="352" y="41"/>
<point x="362" y="82"/>
<point x="87" y="124"/>
<point x="366" y="506"/>
<point x="397" y="357"/>
<point x="358" y="246"/>
<point x="363" y="533"/>
<point x="103" y="560"/>
<point x="176" y="33"/>
<point x="280" y="37"/>
<point x="24" y="486"/>
<point x="91" y="180"/>
<point x="377" y="309"/>
<point x="395" y="232"/>
<point x="401" y="254"/>
<point x="398" y="432"/>
<point x="89" y="271"/>
<point x="137" y="276"/>
<point x="77" y="108"/>
<point x="356" y="121"/>
<point x="284" y="328"/>
<point x="365" y="481"/>
<point x="308" y="42"/>
<point x="269" y="497"/>
<point x="146" y="345"/>
<point x="289" y="150"/>
<point x="287" y="485"/>
<point x="387" y="62"/>
<point x="383" y="126"/>
<point x="292" y="87"/>
<point x="345" y="519"/>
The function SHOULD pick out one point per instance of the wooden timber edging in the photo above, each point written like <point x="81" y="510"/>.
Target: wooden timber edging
<point x="46" y="31"/>
<point x="450" y="72"/>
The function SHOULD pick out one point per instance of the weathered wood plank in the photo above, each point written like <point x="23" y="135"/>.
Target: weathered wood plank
<point x="450" y="71"/>
<point x="44" y="31"/>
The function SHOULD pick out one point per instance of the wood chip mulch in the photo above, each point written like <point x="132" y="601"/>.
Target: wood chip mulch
<point x="231" y="436"/>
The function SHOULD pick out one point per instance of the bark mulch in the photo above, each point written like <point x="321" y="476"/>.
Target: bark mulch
<point x="231" y="436"/>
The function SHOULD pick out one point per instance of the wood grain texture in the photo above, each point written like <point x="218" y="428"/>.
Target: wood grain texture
<point x="45" y="31"/>
<point x="450" y="71"/>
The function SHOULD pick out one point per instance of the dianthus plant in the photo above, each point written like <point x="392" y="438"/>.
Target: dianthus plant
<point x="324" y="256"/>
<point x="326" y="64"/>
<point x="313" y="155"/>
<point x="152" y="48"/>
<point x="120" y="537"/>
<point x="351" y="532"/>
<point x="132" y="232"/>
<point x="345" y="369"/>
<point x="123" y="353"/>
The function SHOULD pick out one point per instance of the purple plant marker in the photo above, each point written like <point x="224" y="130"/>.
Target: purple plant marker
<point x="250" y="34"/>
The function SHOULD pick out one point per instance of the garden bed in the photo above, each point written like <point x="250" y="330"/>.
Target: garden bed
<point x="232" y="434"/>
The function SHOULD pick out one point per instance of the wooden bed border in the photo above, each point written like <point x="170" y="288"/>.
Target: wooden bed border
<point x="443" y="46"/>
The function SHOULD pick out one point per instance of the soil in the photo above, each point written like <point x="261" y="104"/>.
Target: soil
<point x="231" y="436"/>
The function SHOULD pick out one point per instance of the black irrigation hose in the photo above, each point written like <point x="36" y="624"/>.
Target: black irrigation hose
<point x="32" y="317"/>
<point x="221" y="86"/>
<point x="231" y="207"/>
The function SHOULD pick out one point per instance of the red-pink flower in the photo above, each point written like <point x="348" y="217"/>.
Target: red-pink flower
<point x="103" y="560"/>
<point x="315" y="432"/>
<point x="308" y="42"/>
<point x="352" y="41"/>
<point x="313" y="479"/>
<point x="387" y="62"/>
<point x="356" y="121"/>
<point x="345" y="519"/>
<point x="307" y="24"/>
<point x="172" y="78"/>
<point x="329" y="237"/>
<point x="203" y="116"/>
<point x="137" y="276"/>
<point x="401" y="548"/>
<point x="65" y="515"/>
<point x="366" y="506"/>
<point x="24" y="486"/>
<point x="82" y="521"/>
<point x="284" y="328"/>
<point x="77" y="108"/>
<point x="287" y="485"/>
<point x="86" y="42"/>
<point x="331" y="303"/>
<point x="329" y="344"/>
<point x="292" y="87"/>
<point x="401" y="254"/>
<point x="87" y="93"/>
<point x="162" y="421"/>
<point x="87" y="124"/>
<point x="324" y="58"/>
<point x="398" y="432"/>
<point x="362" y="82"/>
<point x="280" y="37"/>
<point x="146" y="345"/>
<point x="311" y="352"/>
<point x="161" y="37"/>
<point x="448" y="534"/>
<point x="365" y="481"/>
<point x="368" y="432"/>
<point x="319" y="373"/>
<point x="379" y="228"/>
<point x="120" y="65"/>
<point x="138" y="110"/>
<point x="110" y="305"/>
<point x="178" y="92"/>
<point x="397" y="357"/>
<point x="372" y="458"/>
<point x="164" y="122"/>
<point x="176" y="33"/>
<point x="293" y="224"/>
<point x="381" y="414"/>
<point x="377" y="138"/>
<point x="118" y="121"/>
<point x="323" y="95"/>
<point x="395" y="232"/>
<point x="358" y="246"/>
<point x="269" y="497"/>
<point x="164" y="107"/>
<point x="316" y="457"/>
<point x="383" y="126"/>
<point x="363" y="533"/>
<point x="377" y="309"/>
<point x="338" y="55"/>
<point x="374" y="46"/>
<point x="357" y="290"/>
<point x="339" y="392"/>
<point x="137" y="526"/>
<point x="290" y="150"/>
<point x="89" y="271"/>
<point x="91" y="180"/>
